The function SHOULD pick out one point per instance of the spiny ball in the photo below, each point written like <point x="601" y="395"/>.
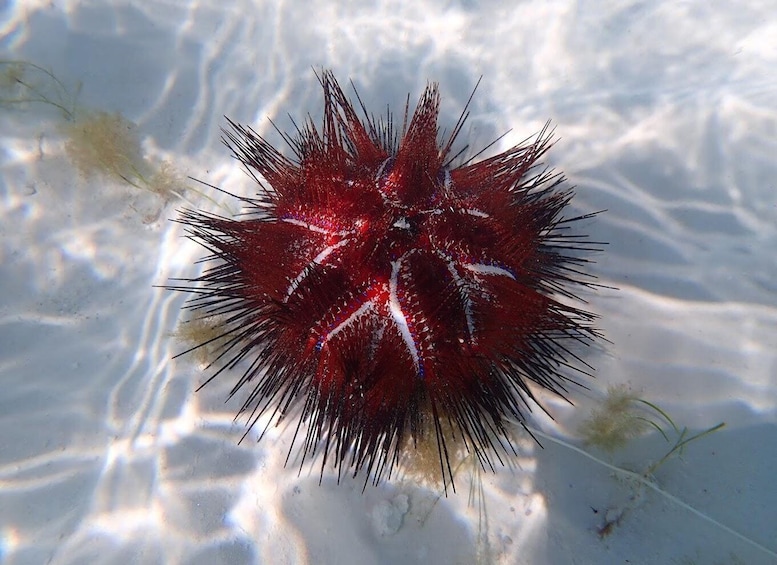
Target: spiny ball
<point x="384" y="294"/>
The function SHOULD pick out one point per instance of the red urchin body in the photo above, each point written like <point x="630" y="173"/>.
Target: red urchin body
<point x="387" y="295"/>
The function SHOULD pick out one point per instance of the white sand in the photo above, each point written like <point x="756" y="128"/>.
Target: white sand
<point x="667" y="117"/>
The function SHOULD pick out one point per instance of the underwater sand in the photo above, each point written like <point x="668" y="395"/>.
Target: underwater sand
<point x="666" y="115"/>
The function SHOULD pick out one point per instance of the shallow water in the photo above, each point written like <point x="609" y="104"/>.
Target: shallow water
<point x="666" y="116"/>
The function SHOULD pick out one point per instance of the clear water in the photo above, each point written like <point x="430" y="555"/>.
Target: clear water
<point x="667" y="118"/>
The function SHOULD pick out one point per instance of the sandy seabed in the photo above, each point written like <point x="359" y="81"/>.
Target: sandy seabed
<point x="666" y="115"/>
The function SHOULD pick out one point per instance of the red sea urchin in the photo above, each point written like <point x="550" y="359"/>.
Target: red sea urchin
<point x="384" y="295"/>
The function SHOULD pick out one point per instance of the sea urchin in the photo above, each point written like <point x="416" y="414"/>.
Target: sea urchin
<point x="383" y="295"/>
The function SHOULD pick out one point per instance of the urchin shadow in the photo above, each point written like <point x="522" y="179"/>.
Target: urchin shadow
<point x="581" y="495"/>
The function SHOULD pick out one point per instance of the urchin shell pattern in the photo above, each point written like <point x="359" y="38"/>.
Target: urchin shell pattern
<point x="382" y="295"/>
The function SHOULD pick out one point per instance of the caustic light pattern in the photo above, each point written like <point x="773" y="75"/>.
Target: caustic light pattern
<point x="384" y="296"/>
